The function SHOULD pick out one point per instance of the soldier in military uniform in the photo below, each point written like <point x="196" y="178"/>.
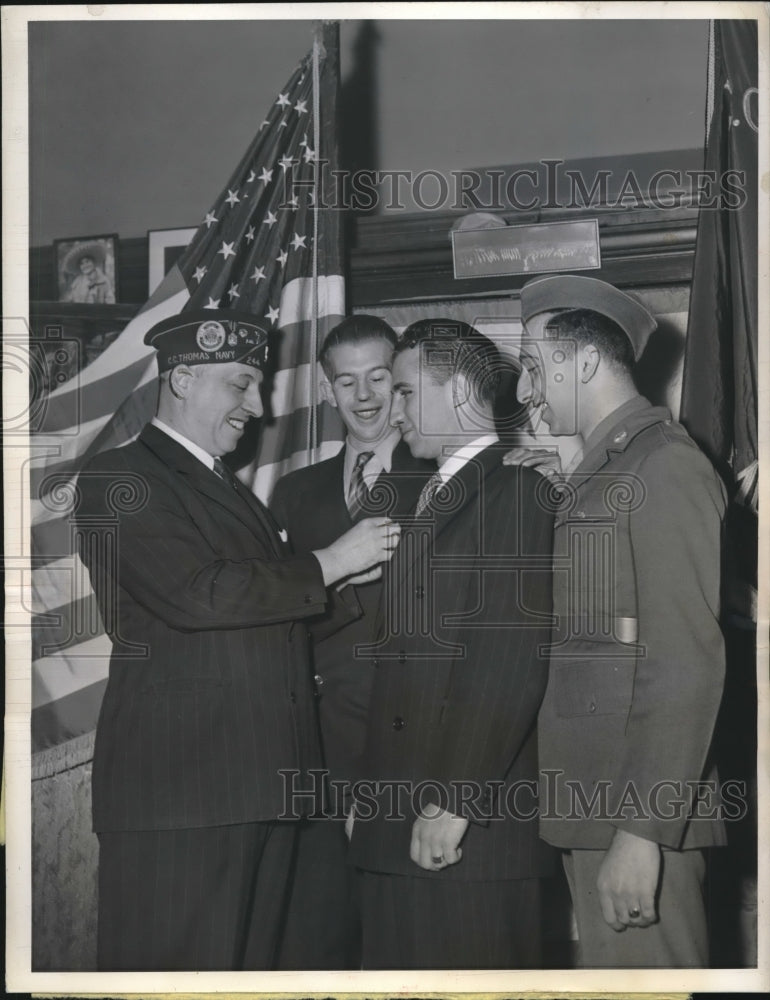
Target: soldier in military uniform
<point x="637" y="659"/>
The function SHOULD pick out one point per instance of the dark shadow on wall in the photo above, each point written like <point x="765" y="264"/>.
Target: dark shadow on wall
<point x="660" y="362"/>
<point x="359" y="120"/>
<point x="359" y="146"/>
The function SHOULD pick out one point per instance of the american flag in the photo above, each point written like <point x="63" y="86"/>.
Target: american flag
<point x="268" y="245"/>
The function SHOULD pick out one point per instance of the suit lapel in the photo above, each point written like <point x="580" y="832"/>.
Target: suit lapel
<point x="468" y="482"/>
<point x="465" y="486"/>
<point x="263" y="515"/>
<point x="332" y="506"/>
<point x="407" y="476"/>
<point x="239" y="503"/>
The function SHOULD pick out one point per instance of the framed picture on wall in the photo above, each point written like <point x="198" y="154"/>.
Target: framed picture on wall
<point x="87" y="269"/>
<point x="165" y="248"/>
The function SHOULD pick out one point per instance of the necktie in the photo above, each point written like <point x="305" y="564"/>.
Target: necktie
<point x="358" y="494"/>
<point x="224" y="472"/>
<point x="429" y="490"/>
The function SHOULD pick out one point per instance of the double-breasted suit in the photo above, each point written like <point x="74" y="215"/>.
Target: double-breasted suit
<point x="459" y="676"/>
<point x="195" y="730"/>
<point x="636" y="667"/>
<point x="310" y="504"/>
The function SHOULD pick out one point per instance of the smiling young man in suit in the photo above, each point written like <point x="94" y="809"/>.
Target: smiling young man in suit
<point x="445" y="822"/>
<point x="195" y="865"/>
<point x="373" y="472"/>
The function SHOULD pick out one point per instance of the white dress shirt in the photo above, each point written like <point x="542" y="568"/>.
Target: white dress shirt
<point x="191" y="446"/>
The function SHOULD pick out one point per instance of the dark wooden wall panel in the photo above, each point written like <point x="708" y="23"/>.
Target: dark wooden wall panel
<point x="403" y="258"/>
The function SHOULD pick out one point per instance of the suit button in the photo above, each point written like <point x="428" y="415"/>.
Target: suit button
<point x="420" y="592"/>
<point x="319" y="680"/>
<point x="592" y="707"/>
<point x="401" y="656"/>
<point x="398" y="723"/>
<point x="375" y="663"/>
<point x="308" y="599"/>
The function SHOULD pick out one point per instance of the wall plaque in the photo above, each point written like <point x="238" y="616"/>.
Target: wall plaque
<point x="528" y="249"/>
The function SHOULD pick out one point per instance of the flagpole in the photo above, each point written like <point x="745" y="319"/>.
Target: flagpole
<point x="312" y="440"/>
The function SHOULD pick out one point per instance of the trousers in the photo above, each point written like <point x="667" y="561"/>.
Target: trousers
<point x="678" y="940"/>
<point x="429" y="923"/>
<point x="204" y="899"/>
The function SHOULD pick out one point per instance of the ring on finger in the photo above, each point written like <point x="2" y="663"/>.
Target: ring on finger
<point x="634" y="912"/>
<point x="439" y="860"/>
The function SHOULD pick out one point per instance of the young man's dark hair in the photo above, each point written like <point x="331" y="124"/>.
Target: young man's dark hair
<point x="451" y="347"/>
<point x="355" y="330"/>
<point x="584" y="326"/>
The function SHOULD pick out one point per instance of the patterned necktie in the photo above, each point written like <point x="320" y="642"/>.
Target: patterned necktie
<point x="225" y="473"/>
<point x="358" y="494"/>
<point x="429" y="490"/>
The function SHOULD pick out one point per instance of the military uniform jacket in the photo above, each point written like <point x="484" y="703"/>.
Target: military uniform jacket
<point x="209" y="693"/>
<point x="310" y="504"/>
<point x="459" y="676"/>
<point x="637" y="663"/>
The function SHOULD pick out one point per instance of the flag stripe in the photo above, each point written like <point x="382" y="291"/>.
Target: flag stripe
<point x="59" y="675"/>
<point x="67" y="413"/>
<point x="66" y="718"/>
<point x="57" y="630"/>
<point x="297" y="299"/>
<point x="97" y="436"/>
<point x="122" y="353"/>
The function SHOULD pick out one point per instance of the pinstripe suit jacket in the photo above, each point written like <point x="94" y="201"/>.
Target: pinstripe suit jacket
<point x="310" y="504"/>
<point x="459" y="676"/>
<point x="193" y="731"/>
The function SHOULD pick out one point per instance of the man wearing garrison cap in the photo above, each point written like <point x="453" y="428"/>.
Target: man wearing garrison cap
<point x="209" y="695"/>
<point x="637" y="658"/>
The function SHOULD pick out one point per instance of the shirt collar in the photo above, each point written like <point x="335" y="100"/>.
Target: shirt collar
<point x="463" y="455"/>
<point x="383" y="450"/>
<point x="191" y="446"/>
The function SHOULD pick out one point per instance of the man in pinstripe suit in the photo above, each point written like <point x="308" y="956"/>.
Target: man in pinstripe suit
<point x="195" y="865"/>
<point x="445" y="823"/>
<point x="316" y="505"/>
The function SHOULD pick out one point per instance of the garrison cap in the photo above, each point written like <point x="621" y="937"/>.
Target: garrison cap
<point x="208" y="337"/>
<point x="574" y="291"/>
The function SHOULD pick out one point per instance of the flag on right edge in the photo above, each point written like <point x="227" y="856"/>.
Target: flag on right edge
<point x="719" y="391"/>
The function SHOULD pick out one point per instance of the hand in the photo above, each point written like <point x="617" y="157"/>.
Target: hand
<point x="367" y="577"/>
<point x="366" y="544"/>
<point x="628" y="880"/>
<point x="545" y="461"/>
<point x="437" y="834"/>
<point x="349" y="821"/>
